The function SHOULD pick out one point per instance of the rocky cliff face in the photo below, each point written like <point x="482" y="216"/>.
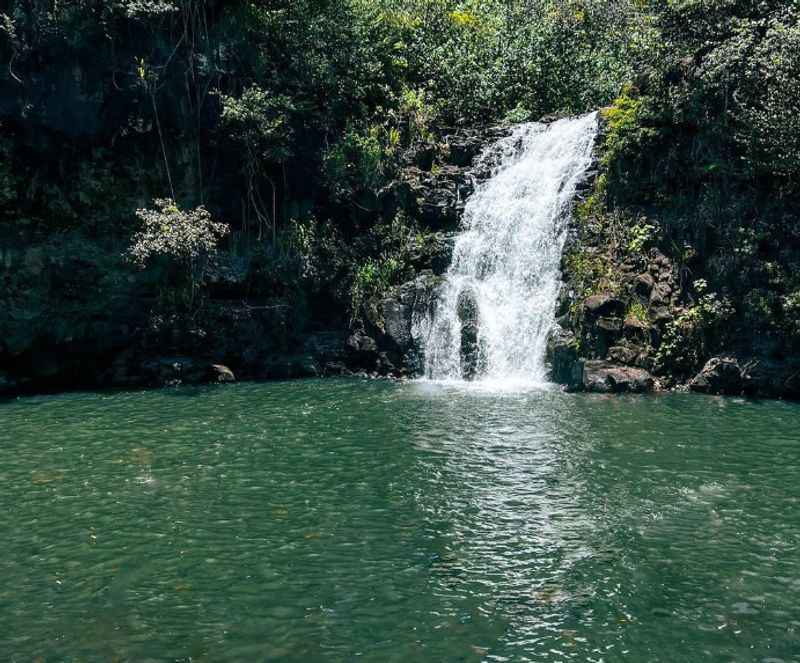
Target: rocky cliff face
<point x="75" y="314"/>
<point x="636" y="314"/>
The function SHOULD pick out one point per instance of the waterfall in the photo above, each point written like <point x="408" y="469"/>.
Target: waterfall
<point x="497" y="305"/>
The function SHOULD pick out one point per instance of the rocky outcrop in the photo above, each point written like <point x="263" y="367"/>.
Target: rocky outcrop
<point x="606" y="378"/>
<point x="759" y="377"/>
<point x="772" y="377"/>
<point x="400" y="310"/>
<point x="720" y="375"/>
<point x="467" y="310"/>
<point x="438" y="178"/>
<point x="563" y="356"/>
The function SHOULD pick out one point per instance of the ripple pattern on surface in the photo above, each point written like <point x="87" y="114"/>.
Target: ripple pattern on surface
<point x="343" y="520"/>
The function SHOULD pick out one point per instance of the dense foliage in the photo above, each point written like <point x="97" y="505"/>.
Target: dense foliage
<point x="702" y="160"/>
<point x="291" y="120"/>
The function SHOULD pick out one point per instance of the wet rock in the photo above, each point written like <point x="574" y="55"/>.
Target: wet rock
<point x="470" y="350"/>
<point x="772" y="377"/>
<point x="604" y="305"/>
<point x="286" y="367"/>
<point x="397" y="320"/>
<point x="564" y="301"/>
<point x="465" y="145"/>
<point x="437" y="198"/>
<point x="467" y="307"/>
<point x="406" y="304"/>
<point x="221" y="373"/>
<point x="562" y="355"/>
<point x="359" y="342"/>
<point x="605" y="377"/>
<point x="467" y="311"/>
<point x="330" y="346"/>
<point x="720" y="375"/>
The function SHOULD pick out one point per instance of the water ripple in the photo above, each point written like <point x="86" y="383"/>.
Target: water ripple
<point x="332" y="521"/>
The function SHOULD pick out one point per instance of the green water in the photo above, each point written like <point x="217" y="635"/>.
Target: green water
<point x="350" y="520"/>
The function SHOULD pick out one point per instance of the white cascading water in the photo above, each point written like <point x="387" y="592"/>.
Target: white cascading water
<point x="506" y="259"/>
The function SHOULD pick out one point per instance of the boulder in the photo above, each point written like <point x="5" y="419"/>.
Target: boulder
<point x="636" y="330"/>
<point x="467" y="311"/>
<point x="405" y="305"/>
<point x="562" y="355"/>
<point x="660" y="294"/>
<point x="720" y="375"/>
<point x="221" y="373"/>
<point x="470" y="350"/>
<point x="612" y="326"/>
<point x="660" y="315"/>
<point x="605" y="377"/>
<point x="644" y="284"/>
<point x="772" y="377"/>
<point x="624" y="355"/>
<point x="360" y="343"/>
<point x="604" y="305"/>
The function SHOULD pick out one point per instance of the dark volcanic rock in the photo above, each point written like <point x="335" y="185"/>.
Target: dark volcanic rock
<point x="562" y="355"/>
<point x="358" y="342"/>
<point x="604" y="305"/>
<point x="720" y="375"/>
<point x="286" y="367"/>
<point x="467" y="310"/>
<point x="644" y="284"/>
<point x="604" y="377"/>
<point x="407" y="303"/>
<point x="772" y="378"/>
<point x="624" y="355"/>
<point x="221" y="373"/>
<point x="470" y="350"/>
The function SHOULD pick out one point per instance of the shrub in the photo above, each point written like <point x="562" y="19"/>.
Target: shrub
<point x="184" y="239"/>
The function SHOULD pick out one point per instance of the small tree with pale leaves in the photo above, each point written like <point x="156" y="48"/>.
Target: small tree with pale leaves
<point x="186" y="240"/>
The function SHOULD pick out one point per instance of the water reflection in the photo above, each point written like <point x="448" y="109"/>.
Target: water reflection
<point x="509" y="486"/>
